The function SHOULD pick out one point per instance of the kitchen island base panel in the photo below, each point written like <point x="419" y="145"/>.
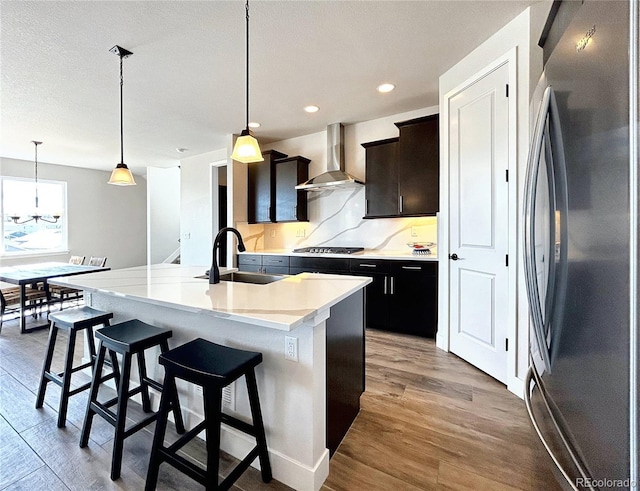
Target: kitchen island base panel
<point x="292" y="393"/>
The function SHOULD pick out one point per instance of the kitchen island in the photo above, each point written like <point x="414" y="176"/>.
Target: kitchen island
<point x="307" y="403"/>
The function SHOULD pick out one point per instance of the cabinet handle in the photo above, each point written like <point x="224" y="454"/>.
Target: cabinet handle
<point x="366" y="207"/>
<point x="414" y="268"/>
<point x="401" y="200"/>
<point x="384" y="291"/>
<point x="393" y="285"/>
<point x="295" y="211"/>
<point x="367" y="265"/>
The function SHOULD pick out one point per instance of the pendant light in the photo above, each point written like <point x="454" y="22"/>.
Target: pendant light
<point x="246" y="149"/>
<point x="121" y="175"/>
<point x="36" y="216"/>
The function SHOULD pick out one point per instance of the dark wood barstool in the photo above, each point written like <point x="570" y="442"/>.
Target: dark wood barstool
<point x="72" y="321"/>
<point x="212" y="367"/>
<point x="127" y="339"/>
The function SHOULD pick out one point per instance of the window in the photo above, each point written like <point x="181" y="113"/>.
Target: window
<point x="32" y="237"/>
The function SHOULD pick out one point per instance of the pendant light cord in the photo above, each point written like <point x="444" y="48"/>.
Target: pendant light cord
<point x="247" y="10"/>
<point x="36" y="165"/>
<point x="121" y="130"/>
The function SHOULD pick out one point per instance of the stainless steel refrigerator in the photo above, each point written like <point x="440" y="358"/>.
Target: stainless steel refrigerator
<point x="581" y="249"/>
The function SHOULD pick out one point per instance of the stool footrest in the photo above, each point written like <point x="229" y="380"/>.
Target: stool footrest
<point x="189" y="468"/>
<point x="79" y="389"/>
<point x="54" y="377"/>
<point x="237" y="471"/>
<point x="237" y="424"/>
<point x="101" y="410"/>
<point x="153" y="384"/>
<point x="141" y="424"/>
<point x="187" y="437"/>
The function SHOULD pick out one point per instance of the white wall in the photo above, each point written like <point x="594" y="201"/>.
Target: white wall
<point x="163" y="203"/>
<point x="196" y="221"/>
<point x="102" y="220"/>
<point x="522" y="34"/>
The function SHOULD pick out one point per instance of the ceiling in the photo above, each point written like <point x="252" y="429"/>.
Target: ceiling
<point x="184" y="84"/>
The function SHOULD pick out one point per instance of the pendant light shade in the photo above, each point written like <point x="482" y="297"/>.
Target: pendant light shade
<point x="246" y="148"/>
<point x="121" y="175"/>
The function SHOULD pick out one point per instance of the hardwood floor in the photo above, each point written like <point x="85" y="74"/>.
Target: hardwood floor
<point x="428" y="421"/>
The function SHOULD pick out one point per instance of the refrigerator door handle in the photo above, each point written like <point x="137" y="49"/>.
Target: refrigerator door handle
<point x="531" y="281"/>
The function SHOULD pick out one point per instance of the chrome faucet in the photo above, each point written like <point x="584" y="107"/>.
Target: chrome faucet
<point x="214" y="272"/>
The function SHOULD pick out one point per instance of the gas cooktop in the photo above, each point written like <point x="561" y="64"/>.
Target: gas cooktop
<point x="329" y="250"/>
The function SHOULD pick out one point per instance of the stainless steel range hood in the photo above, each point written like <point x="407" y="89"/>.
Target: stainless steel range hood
<point x="335" y="176"/>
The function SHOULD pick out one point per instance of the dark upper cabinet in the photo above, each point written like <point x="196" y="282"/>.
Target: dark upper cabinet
<point x="418" y="157"/>
<point x="402" y="173"/>
<point x="261" y="188"/>
<point x="291" y="204"/>
<point x="381" y="189"/>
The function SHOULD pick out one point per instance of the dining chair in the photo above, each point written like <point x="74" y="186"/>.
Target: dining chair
<point x="10" y="299"/>
<point x="97" y="261"/>
<point x="63" y="293"/>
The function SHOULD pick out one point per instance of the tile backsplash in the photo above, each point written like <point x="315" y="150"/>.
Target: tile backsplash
<point x="335" y="219"/>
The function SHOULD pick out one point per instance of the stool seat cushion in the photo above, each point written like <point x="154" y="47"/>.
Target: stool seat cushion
<point x="80" y="316"/>
<point x="203" y="361"/>
<point x="132" y="336"/>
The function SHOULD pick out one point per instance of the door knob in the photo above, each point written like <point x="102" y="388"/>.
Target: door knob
<point x="453" y="257"/>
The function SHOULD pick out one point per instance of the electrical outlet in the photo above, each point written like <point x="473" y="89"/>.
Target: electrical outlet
<point x="414" y="231"/>
<point x="301" y="232"/>
<point x="186" y="235"/>
<point x="290" y="348"/>
<point x="273" y="233"/>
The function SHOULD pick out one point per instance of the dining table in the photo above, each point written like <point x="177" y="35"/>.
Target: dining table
<point x="27" y="274"/>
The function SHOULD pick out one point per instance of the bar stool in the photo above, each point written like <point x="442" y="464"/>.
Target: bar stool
<point x="126" y="338"/>
<point x="212" y="367"/>
<point x="72" y="321"/>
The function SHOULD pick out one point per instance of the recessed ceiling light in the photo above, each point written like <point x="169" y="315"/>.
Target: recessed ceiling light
<point x="312" y="109"/>
<point x="181" y="150"/>
<point x="384" y="88"/>
<point x="254" y="124"/>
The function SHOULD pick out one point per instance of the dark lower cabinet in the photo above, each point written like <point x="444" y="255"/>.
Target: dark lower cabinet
<point x="403" y="296"/>
<point x="261" y="263"/>
<point x="413" y="298"/>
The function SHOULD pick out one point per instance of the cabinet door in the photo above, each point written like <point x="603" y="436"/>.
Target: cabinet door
<point x="414" y="297"/>
<point x="261" y="189"/>
<point x="376" y="292"/>
<point x="381" y="188"/>
<point x="291" y="204"/>
<point x="418" y="166"/>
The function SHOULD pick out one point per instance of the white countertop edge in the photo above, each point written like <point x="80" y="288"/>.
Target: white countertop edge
<point x="319" y="314"/>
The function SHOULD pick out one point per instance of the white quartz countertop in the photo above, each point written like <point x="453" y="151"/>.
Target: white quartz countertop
<point x="284" y="304"/>
<point x="404" y="254"/>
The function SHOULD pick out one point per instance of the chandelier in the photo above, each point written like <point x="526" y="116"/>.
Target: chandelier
<point x="36" y="216"/>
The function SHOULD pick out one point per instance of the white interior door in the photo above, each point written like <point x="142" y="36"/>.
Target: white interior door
<point x="478" y="247"/>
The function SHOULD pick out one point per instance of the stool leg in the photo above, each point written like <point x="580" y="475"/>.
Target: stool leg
<point x="212" y="411"/>
<point x="158" y="437"/>
<point x="91" y="343"/>
<point x="66" y="379"/>
<point x="256" y="414"/>
<point x="114" y="367"/>
<point x="144" y="387"/>
<point x="177" y="413"/>
<point x="121" y="417"/>
<point x="46" y="366"/>
<point x="93" y="396"/>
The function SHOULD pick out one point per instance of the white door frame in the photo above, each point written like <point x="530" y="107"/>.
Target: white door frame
<point x="514" y="384"/>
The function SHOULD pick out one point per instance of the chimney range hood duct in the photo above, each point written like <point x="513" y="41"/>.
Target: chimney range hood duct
<point x="335" y="177"/>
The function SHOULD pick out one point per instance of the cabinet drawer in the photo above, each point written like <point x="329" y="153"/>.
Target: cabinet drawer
<point x="275" y="261"/>
<point x="275" y="269"/>
<point x="251" y="268"/>
<point x="369" y="266"/>
<point x="320" y="264"/>
<point x="250" y="259"/>
<point x="408" y="267"/>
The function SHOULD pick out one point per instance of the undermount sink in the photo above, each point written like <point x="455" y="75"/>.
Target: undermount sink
<point x="245" y="277"/>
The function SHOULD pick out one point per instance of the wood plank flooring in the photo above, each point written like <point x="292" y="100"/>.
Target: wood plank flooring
<point x="429" y="421"/>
